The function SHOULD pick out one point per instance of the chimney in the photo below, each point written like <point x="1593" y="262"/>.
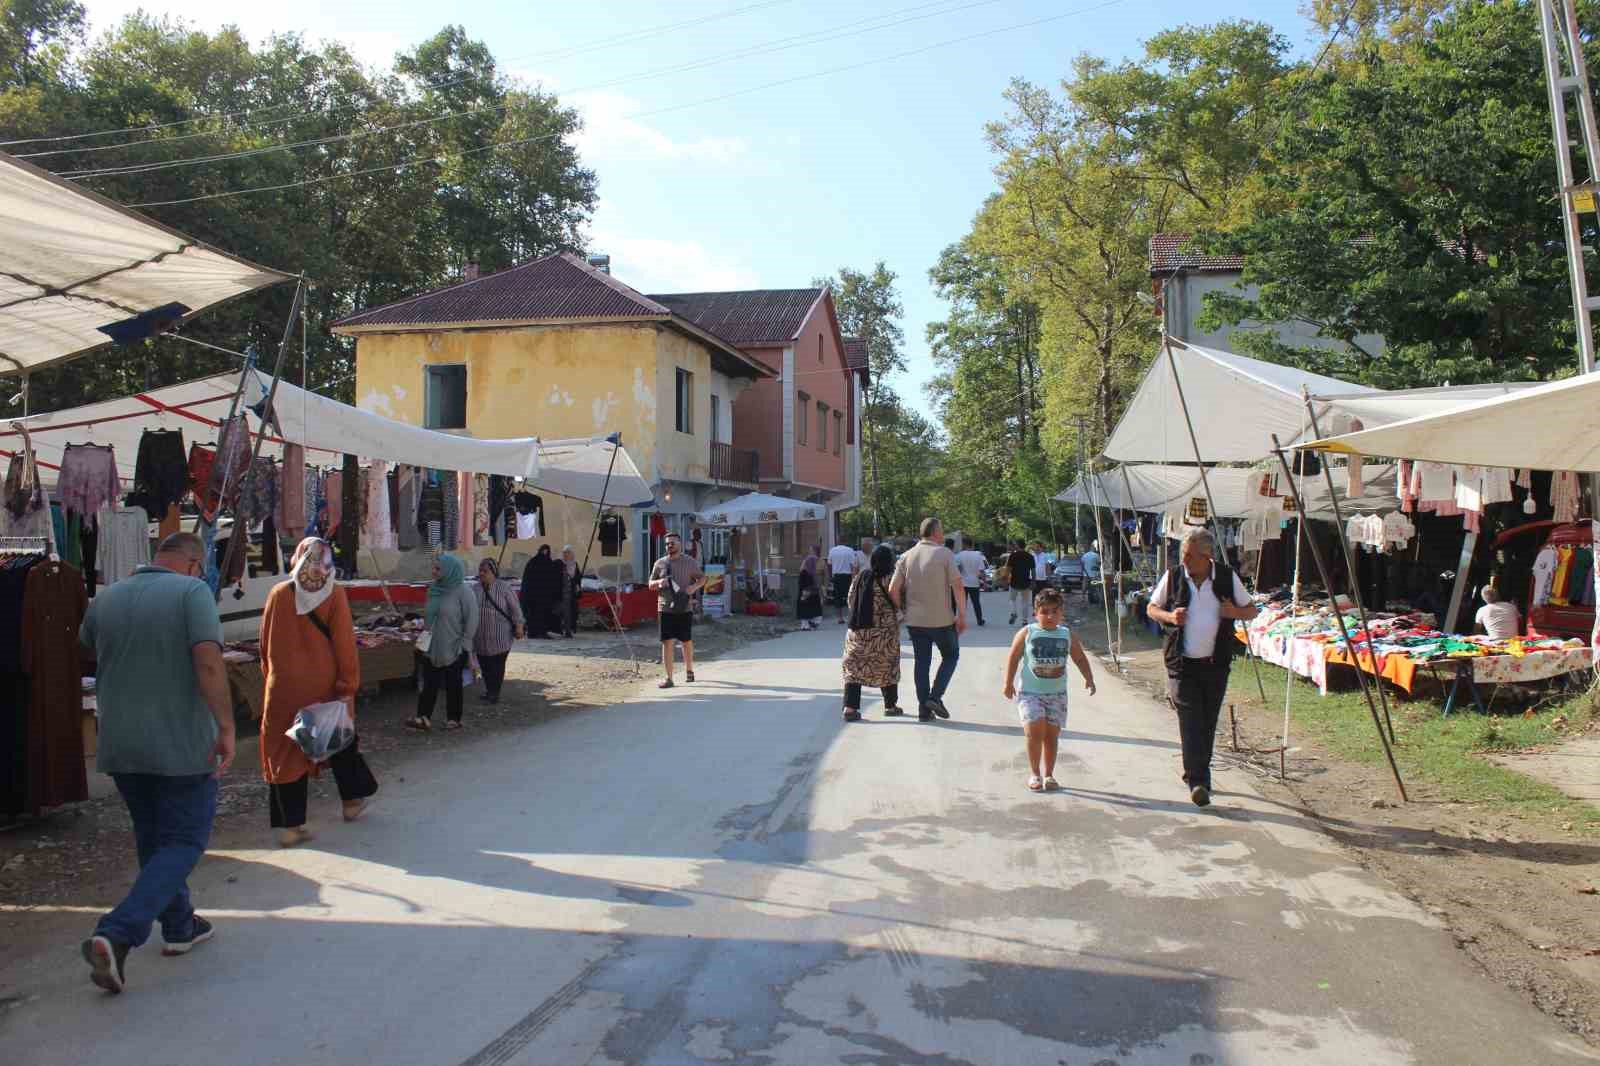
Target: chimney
<point x="601" y="263"/>
<point x="470" y="272"/>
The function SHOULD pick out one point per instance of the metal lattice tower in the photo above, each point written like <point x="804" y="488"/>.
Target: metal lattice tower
<point x="1567" y="76"/>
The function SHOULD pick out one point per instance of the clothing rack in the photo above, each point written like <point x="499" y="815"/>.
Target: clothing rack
<point x="24" y="545"/>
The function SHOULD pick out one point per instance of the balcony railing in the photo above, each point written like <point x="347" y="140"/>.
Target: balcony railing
<point x="734" y="466"/>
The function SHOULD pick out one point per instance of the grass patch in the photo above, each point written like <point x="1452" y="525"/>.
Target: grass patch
<point x="1444" y="752"/>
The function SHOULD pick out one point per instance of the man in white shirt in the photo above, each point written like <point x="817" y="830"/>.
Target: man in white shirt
<point x="972" y="564"/>
<point x="1197" y="616"/>
<point x="864" y="553"/>
<point x="1498" y="618"/>
<point x="1041" y="575"/>
<point x="842" y="565"/>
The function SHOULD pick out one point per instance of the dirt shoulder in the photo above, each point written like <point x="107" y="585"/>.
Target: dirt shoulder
<point x="1517" y="893"/>
<point x="82" y="854"/>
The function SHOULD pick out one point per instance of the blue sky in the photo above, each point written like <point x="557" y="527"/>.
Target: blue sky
<point x="768" y="188"/>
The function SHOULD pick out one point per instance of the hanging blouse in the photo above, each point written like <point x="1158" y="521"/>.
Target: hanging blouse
<point x="88" y="479"/>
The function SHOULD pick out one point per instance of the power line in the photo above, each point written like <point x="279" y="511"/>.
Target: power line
<point x="781" y="44"/>
<point x="640" y="114"/>
<point x="599" y="44"/>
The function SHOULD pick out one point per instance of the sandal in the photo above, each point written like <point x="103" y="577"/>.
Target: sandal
<point x="1034" y="784"/>
<point x="452" y="726"/>
<point x="356" y="808"/>
<point x="288" y="838"/>
<point x="419" y="723"/>
<point x="688" y="675"/>
<point x="665" y="684"/>
<point x="852" y="715"/>
<point x="1051" y="784"/>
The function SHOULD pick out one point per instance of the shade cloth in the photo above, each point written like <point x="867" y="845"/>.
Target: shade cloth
<point x="72" y="261"/>
<point x="568" y="467"/>
<point x="1546" y="427"/>
<point x="756" y="508"/>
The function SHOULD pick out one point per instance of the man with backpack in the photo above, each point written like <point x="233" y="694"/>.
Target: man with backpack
<point x="1196" y="604"/>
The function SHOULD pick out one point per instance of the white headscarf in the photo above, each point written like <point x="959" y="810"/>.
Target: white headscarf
<point x="313" y="557"/>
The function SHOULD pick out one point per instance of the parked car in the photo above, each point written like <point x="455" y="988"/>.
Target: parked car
<point x="1068" y="575"/>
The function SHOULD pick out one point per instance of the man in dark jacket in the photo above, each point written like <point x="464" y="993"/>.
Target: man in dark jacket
<point x="1197" y="604"/>
<point x="1020" y="564"/>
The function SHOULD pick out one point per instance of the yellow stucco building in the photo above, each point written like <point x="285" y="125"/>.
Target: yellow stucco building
<point x="558" y="348"/>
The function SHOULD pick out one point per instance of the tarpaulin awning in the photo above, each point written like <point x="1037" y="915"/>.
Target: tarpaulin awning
<point x="1554" y="426"/>
<point x="758" y="508"/>
<point x="1157" y="488"/>
<point x="73" y="263"/>
<point x="329" y="429"/>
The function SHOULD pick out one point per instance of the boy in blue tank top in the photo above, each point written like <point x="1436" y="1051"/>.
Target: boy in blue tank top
<point x="1042" y="650"/>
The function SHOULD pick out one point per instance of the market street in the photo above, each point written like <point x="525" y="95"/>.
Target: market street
<point x="732" y="874"/>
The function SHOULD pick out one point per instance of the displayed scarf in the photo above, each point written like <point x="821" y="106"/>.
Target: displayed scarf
<point x="451" y="574"/>
<point x="313" y="559"/>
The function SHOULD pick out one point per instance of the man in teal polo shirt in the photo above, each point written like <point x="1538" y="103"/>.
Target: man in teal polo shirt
<point x="166" y="734"/>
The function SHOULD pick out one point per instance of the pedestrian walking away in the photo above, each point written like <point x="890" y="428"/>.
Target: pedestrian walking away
<point x="972" y="564"/>
<point x="571" y="587"/>
<point x="872" y="644"/>
<point x="500" y="624"/>
<point x="927" y="584"/>
<point x="1041" y="568"/>
<point x="843" y="565"/>
<point x="1192" y="602"/>
<point x="1041" y="650"/>
<point x="676" y="577"/>
<point x="1020" y="565"/>
<point x="1091" y="572"/>
<point x="444" y="651"/>
<point x="808" y="601"/>
<point x="166" y="733"/>
<point x="308" y="656"/>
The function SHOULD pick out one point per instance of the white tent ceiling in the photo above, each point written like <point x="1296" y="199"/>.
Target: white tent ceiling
<point x="757" y="508"/>
<point x="328" y="429"/>
<point x="72" y="261"/>
<point x="1554" y="426"/>
<point x="1158" y="488"/>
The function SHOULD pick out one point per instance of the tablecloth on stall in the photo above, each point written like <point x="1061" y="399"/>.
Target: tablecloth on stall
<point x="1405" y="644"/>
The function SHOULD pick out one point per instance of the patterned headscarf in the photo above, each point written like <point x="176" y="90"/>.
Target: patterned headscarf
<point x="311" y="571"/>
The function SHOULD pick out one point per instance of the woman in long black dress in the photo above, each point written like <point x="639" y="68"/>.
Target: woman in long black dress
<point x="808" y="604"/>
<point x="541" y="593"/>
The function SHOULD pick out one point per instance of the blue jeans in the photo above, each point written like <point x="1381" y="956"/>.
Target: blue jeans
<point x="923" y="641"/>
<point x="171" y="826"/>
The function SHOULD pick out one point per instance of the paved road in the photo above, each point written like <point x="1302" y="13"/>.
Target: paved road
<point x="734" y="876"/>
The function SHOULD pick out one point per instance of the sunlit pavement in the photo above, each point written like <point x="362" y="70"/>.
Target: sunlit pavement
<point x="725" y="872"/>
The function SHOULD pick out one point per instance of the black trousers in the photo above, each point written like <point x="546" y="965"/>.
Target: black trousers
<point x="433" y="679"/>
<point x="852" y="695"/>
<point x="976" y="601"/>
<point x="351" y="774"/>
<point x="1197" y="695"/>
<point x="494" y="673"/>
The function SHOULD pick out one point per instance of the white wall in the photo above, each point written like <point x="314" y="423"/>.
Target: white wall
<point x="1185" y="296"/>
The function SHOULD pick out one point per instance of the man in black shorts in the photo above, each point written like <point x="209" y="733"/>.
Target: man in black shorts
<point x="676" y="578"/>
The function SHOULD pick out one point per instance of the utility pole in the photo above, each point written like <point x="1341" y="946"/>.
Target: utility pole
<point x="1082" y="418"/>
<point x="1566" y="73"/>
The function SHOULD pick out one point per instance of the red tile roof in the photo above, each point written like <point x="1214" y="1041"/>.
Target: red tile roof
<point x="855" y="353"/>
<point x="750" y="317"/>
<point x="1169" y="253"/>
<point x="560" y="286"/>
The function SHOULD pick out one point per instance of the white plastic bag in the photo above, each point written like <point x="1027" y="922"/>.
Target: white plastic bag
<point x="323" y="730"/>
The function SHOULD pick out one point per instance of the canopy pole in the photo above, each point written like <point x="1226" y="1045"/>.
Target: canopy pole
<point x="1322" y="567"/>
<point x="241" y="534"/>
<point x="1105" y="597"/>
<point x="1211" y="504"/>
<point x="1350" y="568"/>
<point x="588" y="550"/>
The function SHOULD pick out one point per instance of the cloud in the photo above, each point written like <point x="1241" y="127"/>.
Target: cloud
<point x="666" y="264"/>
<point x="610" y="135"/>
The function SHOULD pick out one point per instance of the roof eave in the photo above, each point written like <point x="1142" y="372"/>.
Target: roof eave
<point x="493" y="323"/>
<point x="743" y="365"/>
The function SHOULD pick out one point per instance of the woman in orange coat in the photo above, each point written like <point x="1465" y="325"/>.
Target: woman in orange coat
<point x="308" y="654"/>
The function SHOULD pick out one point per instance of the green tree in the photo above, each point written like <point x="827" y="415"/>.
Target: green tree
<point x="35" y="38"/>
<point x="869" y="308"/>
<point x="1419" y="210"/>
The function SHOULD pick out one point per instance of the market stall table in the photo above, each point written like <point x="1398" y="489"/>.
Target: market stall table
<point x="383" y="657"/>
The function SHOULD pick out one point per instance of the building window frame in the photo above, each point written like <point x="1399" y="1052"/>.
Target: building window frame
<point x="838" y="430"/>
<point x="715" y="426"/>
<point x="438" y="412"/>
<point x="822" y="426"/>
<point x="683" y="405"/>
<point x="802" y="424"/>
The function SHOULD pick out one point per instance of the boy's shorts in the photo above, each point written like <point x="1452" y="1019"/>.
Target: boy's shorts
<point x="1043" y="707"/>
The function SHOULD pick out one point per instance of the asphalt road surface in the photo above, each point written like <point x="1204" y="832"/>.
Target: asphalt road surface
<point x="727" y="873"/>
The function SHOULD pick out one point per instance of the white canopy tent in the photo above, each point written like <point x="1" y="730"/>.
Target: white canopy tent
<point x="1157" y="488"/>
<point x="1554" y="426"/>
<point x="75" y="261"/>
<point x="327" y="429"/>
<point x="758" y="508"/>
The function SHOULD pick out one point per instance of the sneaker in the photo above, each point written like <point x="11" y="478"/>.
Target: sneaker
<point x="1201" y="796"/>
<point x="939" y="708"/>
<point x="1011" y="621"/>
<point x="893" y="712"/>
<point x="925" y="712"/>
<point x="200" y="932"/>
<point x="107" y="957"/>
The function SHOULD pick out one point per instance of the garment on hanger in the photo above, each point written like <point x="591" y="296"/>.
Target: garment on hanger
<point x="480" y="510"/>
<point x="393" y="488"/>
<point x="613" y="531"/>
<point x="1565" y="496"/>
<point x="430" y="511"/>
<point x="466" y="508"/>
<point x="332" y="503"/>
<point x="530" y="515"/>
<point x="448" y="534"/>
<point x="87" y="479"/>
<point x="408" y="485"/>
<point x="348" y="538"/>
<point x="290" y="515"/>
<point x="202" y="457"/>
<point x="22" y="488"/>
<point x="1403" y="488"/>
<point x="499" y="509"/>
<point x="122" y="543"/>
<point x="377" y="531"/>
<point x="1433" y="481"/>
<point x="1544" y="573"/>
<point x="53" y="605"/>
<point x="160" y="471"/>
<point x="232" y="459"/>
